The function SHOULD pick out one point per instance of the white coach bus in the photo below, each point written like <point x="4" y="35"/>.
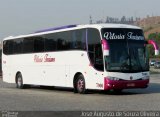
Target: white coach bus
<point x="96" y="56"/>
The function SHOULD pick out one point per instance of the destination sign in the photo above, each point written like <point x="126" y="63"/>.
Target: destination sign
<point x="129" y="35"/>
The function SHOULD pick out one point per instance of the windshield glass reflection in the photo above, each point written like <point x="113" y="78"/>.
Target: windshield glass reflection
<point x="126" y="55"/>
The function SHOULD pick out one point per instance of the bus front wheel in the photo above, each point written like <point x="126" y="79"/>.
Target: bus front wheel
<point x="117" y="91"/>
<point x="80" y="85"/>
<point x="19" y="81"/>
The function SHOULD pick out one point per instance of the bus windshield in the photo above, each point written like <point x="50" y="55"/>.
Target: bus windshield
<point x="128" y="51"/>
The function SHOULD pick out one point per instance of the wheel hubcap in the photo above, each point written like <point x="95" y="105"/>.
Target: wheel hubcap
<point x="80" y="84"/>
<point x="19" y="81"/>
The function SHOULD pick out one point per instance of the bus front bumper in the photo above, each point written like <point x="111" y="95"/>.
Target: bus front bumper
<point x="125" y="84"/>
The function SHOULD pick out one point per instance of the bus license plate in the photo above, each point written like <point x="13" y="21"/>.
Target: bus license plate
<point x="130" y="85"/>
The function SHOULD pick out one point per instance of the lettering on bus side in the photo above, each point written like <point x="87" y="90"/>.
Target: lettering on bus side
<point x="100" y="85"/>
<point x="45" y="58"/>
<point x="129" y="35"/>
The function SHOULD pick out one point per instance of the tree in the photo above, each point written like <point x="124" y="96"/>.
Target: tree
<point x="123" y="19"/>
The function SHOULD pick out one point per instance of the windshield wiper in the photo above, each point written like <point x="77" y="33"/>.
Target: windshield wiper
<point x="125" y="66"/>
<point x="137" y="60"/>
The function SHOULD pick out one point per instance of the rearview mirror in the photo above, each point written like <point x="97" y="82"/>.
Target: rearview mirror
<point x="156" y="49"/>
<point x="105" y="47"/>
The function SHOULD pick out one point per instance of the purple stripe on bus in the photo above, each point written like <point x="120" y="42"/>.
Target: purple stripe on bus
<point x="56" y="28"/>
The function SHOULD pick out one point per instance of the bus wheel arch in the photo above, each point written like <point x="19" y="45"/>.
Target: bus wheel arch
<point x="79" y="83"/>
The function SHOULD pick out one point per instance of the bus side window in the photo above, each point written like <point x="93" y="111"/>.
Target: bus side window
<point x="63" y="40"/>
<point x="6" y="47"/>
<point x="95" y="49"/>
<point x="38" y="44"/>
<point x="79" y="39"/>
<point x="50" y="42"/>
<point x="28" y="45"/>
<point x="17" y="46"/>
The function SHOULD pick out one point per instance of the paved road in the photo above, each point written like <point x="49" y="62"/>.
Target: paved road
<point x="38" y="99"/>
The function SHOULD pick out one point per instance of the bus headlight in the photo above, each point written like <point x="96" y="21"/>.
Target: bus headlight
<point x="112" y="78"/>
<point x="145" y="77"/>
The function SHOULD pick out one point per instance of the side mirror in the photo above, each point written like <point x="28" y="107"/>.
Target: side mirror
<point x="156" y="49"/>
<point x="105" y="47"/>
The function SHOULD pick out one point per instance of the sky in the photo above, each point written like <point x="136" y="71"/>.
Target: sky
<point x="26" y="16"/>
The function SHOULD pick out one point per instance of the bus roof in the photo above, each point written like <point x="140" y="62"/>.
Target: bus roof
<point x="72" y="27"/>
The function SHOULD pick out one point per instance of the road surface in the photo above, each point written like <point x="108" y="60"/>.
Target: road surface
<point x="59" y="99"/>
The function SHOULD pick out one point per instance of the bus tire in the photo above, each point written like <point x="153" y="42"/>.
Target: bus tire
<point x="80" y="84"/>
<point x="117" y="91"/>
<point x="19" y="81"/>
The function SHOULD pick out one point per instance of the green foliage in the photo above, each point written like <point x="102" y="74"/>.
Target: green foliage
<point x="152" y="36"/>
<point x="158" y="35"/>
<point x="150" y="51"/>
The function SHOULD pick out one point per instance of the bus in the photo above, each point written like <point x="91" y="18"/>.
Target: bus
<point x="93" y="56"/>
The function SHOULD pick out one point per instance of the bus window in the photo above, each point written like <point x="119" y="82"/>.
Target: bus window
<point x="17" y="46"/>
<point x="63" y="40"/>
<point x="79" y="39"/>
<point x="28" y="45"/>
<point x="50" y="42"/>
<point x="8" y="47"/>
<point x="95" y="49"/>
<point x="38" y="44"/>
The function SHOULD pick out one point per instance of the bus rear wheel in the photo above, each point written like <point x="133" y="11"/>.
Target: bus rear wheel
<point x="19" y="81"/>
<point x="80" y="85"/>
